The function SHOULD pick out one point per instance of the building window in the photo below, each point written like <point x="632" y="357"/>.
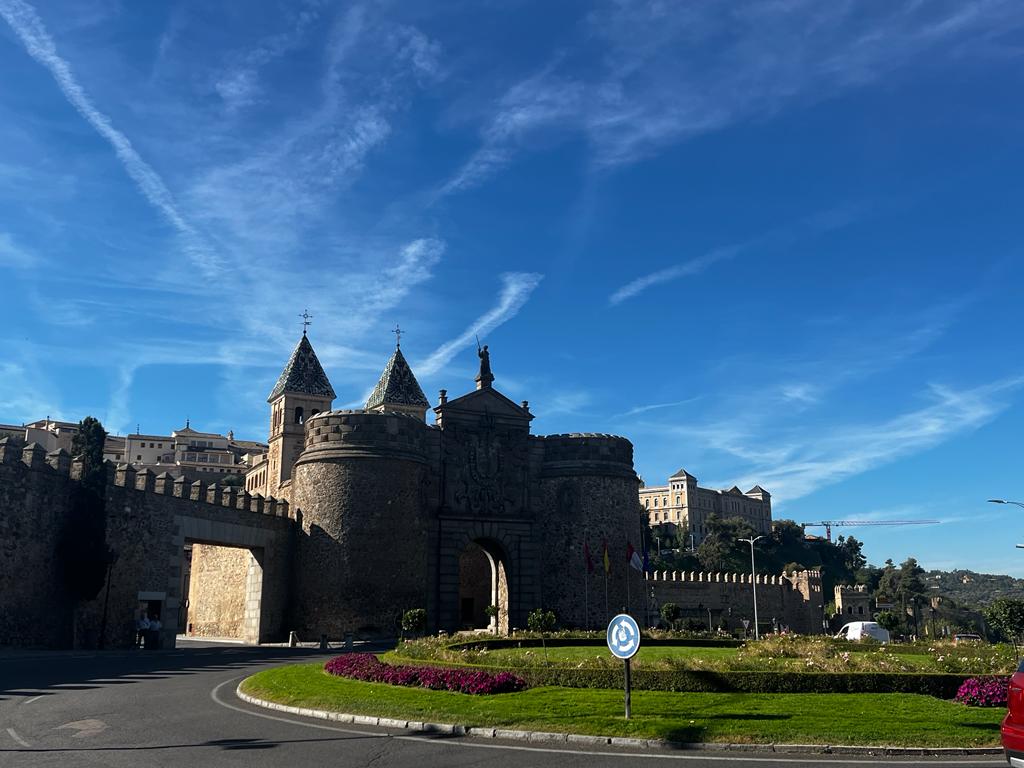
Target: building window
<point x="139" y="457"/>
<point x="298" y="414"/>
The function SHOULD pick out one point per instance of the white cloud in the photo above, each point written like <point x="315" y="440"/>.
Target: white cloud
<point x="239" y="85"/>
<point x="516" y="289"/>
<point x="804" y="463"/>
<point x="657" y="406"/>
<point x="26" y="23"/>
<point x="13" y="255"/>
<point x="668" y="72"/>
<point x="686" y="269"/>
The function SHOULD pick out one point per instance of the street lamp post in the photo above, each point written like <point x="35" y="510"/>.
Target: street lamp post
<point x="1006" y="501"/>
<point x="753" y="581"/>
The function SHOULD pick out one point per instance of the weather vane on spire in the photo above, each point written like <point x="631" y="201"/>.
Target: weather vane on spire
<point x="398" y="336"/>
<point x="306" y="318"/>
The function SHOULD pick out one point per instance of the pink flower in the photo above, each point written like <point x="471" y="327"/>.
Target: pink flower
<point x="367" y="667"/>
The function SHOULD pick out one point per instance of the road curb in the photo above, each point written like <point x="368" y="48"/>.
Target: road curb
<point x="536" y="737"/>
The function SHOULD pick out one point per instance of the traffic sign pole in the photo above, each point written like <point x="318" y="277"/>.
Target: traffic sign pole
<point x="628" y="687"/>
<point x="623" y="636"/>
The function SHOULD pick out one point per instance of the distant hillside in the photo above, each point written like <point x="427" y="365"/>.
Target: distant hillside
<point x="969" y="589"/>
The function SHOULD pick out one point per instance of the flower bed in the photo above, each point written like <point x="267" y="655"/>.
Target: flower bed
<point x="984" y="692"/>
<point x="367" y="667"/>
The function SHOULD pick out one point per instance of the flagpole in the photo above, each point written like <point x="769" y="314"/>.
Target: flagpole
<point x="628" y="566"/>
<point x="586" y="599"/>
<point x="606" y="595"/>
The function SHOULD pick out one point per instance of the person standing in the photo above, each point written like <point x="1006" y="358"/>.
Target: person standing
<point x="141" y="628"/>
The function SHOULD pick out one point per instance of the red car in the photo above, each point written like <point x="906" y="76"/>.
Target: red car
<point x="1012" y="730"/>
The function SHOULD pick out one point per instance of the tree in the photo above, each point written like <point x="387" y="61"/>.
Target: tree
<point x="82" y="547"/>
<point x="414" y="621"/>
<point x="888" y="620"/>
<point x="1006" y="616"/>
<point x="670" y="613"/>
<point x="852" y="551"/>
<point x="721" y="549"/>
<point x="88" y="444"/>
<point x="541" y="621"/>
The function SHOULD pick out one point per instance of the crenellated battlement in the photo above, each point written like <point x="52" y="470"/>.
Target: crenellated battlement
<point x="60" y="464"/>
<point x="586" y="453"/>
<point x="732" y="578"/>
<point x="165" y="484"/>
<point x="356" y="433"/>
<point x="846" y="589"/>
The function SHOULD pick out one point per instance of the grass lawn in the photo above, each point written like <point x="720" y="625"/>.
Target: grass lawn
<point x="878" y="719"/>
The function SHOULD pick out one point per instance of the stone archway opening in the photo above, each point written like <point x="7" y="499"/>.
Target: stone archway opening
<point x="483" y="582"/>
<point x="223" y="585"/>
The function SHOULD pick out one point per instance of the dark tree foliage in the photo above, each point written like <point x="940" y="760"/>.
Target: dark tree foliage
<point x="82" y="549"/>
<point x="88" y="444"/>
<point x="1006" y="616"/>
<point x="889" y="620"/>
<point x="722" y="549"/>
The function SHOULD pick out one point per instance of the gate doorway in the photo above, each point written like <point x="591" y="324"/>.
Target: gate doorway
<point x="483" y="582"/>
<point x="223" y="586"/>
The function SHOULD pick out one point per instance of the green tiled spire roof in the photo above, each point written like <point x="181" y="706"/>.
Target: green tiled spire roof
<point x="397" y="385"/>
<point x="303" y="374"/>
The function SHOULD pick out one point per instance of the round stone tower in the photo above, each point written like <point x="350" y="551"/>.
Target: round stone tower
<point x="589" y="494"/>
<point x="361" y="559"/>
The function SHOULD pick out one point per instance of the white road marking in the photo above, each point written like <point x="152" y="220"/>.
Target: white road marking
<point x="84" y="727"/>
<point x="18" y="739"/>
<point x="34" y="698"/>
<point x="787" y="760"/>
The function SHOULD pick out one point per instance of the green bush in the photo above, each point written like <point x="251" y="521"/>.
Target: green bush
<point x="943" y="686"/>
<point x="414" y="620"/>
<point x="540" y="620"/>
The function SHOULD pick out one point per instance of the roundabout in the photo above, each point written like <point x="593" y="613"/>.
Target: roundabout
<point x="169" y="708"/>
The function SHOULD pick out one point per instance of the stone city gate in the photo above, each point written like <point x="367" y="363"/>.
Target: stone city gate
<point x="512" y="554"/>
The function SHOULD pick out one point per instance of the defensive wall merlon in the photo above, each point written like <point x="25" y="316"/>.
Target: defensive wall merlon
<point x="733" y="578"/>
<point x="846" y="589"/>
<point x="358" y="433"/>
<point x="34" y="458"/>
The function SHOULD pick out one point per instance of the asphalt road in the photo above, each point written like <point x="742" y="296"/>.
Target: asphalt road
<point x="170" y="708"/>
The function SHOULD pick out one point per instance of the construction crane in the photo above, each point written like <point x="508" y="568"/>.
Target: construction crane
<point x="847" y="523"/>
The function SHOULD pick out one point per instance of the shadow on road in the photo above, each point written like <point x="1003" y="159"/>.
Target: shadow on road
<point x="225" y="744"/>
<point x="29" y="675"/>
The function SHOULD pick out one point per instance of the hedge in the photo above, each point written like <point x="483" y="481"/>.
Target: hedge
<point x="597" y="642"/>
<point x="940" y="685"/>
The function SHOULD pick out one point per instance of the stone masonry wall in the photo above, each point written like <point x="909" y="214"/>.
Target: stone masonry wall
<point x="789" y="599"/>
<point x="217" y="591"/>
<point x="589" y="494"/>
<point x="146" y="519"/>
<point x="362" y="554"/>
<point x="34" y="611"/>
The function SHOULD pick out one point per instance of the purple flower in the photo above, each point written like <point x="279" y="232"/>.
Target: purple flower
<point x="984" y="692"/>
<point x="367" y="667"/>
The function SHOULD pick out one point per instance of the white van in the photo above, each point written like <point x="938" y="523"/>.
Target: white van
<point x="858" y="630"/>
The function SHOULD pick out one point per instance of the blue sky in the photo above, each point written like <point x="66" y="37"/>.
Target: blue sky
<point x="772" y="241"/>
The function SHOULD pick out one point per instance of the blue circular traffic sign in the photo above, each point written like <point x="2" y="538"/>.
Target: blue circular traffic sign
<point x="623" y="636"/>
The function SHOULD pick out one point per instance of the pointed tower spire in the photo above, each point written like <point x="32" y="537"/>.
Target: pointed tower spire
<point x="302" y="390"/>
<point x="398" y="389"/>
<point x="303" y="374"/>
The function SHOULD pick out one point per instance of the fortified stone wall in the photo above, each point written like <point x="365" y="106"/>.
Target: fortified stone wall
<point x="34" y="611"/>
<point x="148" y="519"/>
<point x="792" y="600"/>
<point x="362" y="485"/>
<point x="217" y="591"/>
<point x="588" y="494"/>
